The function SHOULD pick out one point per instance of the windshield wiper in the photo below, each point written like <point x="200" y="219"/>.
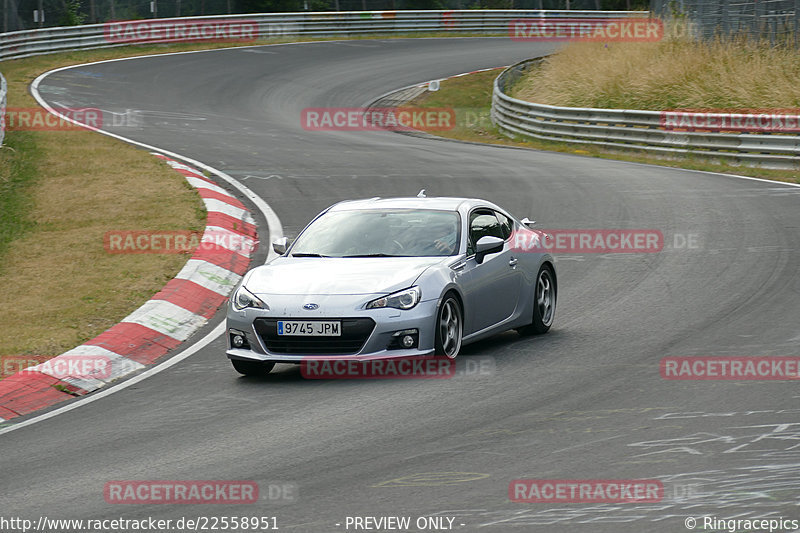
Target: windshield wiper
<point x="375" y="255"/>
<point x="301" y="254"/>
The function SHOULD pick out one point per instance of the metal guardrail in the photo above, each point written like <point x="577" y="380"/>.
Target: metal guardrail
<point x="776" y="20"/>
<point x="26" y="43"/>
<point x="634" y="129"/>
<point x="3" y="92"/>
<point x="270" y="25"/>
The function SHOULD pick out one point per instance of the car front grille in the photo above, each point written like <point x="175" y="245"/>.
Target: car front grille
<point x="355" y="332"/>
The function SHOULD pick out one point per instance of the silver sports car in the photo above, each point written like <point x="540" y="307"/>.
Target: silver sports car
<point x="389" y="278"/>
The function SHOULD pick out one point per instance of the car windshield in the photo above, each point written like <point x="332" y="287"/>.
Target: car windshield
<point x="381" y="233"/>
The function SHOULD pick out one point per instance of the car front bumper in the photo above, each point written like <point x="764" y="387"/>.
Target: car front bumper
<point x="387" y="322"/>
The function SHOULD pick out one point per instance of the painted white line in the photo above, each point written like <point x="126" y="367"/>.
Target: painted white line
<point x="273" y="226"/>
<point x="273" y="222"/>
<point x="199" y="345"/>
<point x="751" y="178"/>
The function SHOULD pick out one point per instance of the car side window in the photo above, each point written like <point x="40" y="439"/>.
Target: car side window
<point x="505" y="225"/>
<point x="482" y="223"/>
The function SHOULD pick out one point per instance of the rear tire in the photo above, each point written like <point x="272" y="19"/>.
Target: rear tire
<point x="449" y="328"/>
<point x="544" y="303"/>
<point x="252" y="368"/>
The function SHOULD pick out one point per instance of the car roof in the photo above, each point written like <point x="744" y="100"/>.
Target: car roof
<point x="413" y="202"/>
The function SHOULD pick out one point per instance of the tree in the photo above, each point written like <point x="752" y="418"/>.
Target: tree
<point x="71" y="15"/>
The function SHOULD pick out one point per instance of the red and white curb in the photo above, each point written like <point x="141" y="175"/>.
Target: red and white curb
<point x="183" y="306"/>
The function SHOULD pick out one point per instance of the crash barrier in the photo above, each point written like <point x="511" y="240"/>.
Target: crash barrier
<point x="775" y="20"/>
<point x="276" y="25"/>
<point x="3" y="92"/>
<point x="768" y="139"/>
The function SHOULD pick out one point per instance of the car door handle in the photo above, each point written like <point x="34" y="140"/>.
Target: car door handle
<point x="513" y="261"/>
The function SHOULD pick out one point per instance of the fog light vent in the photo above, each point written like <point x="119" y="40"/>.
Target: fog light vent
<point x="238" y="339"/>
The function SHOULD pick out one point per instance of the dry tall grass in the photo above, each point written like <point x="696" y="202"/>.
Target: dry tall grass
<point x="58" y="286"/>
<point x="667" y="75"/>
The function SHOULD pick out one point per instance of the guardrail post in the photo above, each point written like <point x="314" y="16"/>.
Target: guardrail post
<point x="796" y="20"/>
<point x="726" y="21"/>
<point x="759" y="11"/>
<point x="3" y="92"/>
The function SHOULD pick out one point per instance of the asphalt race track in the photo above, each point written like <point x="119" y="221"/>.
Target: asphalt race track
<point x="585" y="401"/>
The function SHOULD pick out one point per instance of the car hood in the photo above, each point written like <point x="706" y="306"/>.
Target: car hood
<point x="323" y="275"/>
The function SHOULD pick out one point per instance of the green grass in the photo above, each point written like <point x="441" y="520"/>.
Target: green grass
<point x="18" y="175"/>
<point x="60" y="191"/>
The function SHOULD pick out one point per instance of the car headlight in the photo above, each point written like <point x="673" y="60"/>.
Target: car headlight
<point x="405" y="299"/>
<point x="242" y="299"/>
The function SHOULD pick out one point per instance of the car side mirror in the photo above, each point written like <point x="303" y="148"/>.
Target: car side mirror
<point x="487" y="245"/>
<point x="280" y="245"/>
<point x="528" y="223"/>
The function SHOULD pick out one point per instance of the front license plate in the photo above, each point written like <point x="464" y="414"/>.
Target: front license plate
<point x="330" y="328"/>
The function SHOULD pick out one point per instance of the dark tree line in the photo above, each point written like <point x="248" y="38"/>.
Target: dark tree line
<point x="18" y="14"/>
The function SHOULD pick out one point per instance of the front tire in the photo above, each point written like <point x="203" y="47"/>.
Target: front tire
<point x="449" y="327"/>
<point x="252" y="368"/>
<point x="544" y="303"/>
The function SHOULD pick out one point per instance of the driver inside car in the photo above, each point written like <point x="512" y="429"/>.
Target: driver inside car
<point x="445" y="241"/>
